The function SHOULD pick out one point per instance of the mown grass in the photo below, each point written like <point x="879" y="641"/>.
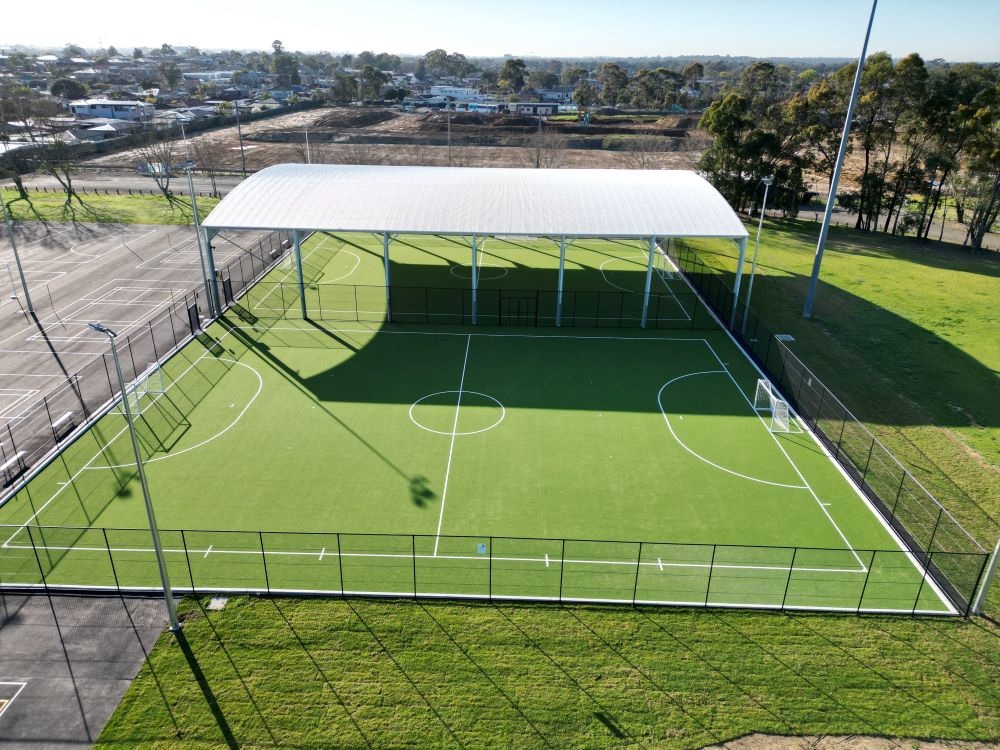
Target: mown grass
<point x="106" y="209"/>
<point x="904" y="332"/>
<point x="362" y="673"/>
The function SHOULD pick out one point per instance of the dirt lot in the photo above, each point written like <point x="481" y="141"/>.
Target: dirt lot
<point x="380" y="136"/>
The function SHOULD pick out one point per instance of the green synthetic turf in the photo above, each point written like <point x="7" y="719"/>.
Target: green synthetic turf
<point x="347" y="446"/>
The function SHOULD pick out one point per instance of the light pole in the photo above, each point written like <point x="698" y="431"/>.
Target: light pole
<point x="838" y="166"/>
<point x="154" y="530"/>
<point x="17" y="258"/>
<point x="188" y="164"/>
<point x="239" y="133"/>
<point x="768" y="181"/>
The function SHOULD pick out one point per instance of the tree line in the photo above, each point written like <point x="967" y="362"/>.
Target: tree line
<point x="923" y="138"/>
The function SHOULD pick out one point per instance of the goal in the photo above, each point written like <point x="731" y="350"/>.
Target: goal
<point x="149" y="382"/>
<point x="767" y="399"/>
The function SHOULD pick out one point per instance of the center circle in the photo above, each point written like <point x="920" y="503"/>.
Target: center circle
<point x="485" y="272"/>
<point x="477" y="412"/>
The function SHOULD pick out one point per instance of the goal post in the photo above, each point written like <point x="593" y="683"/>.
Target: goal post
<point x="149" y="382"/>
<point x="767" y="399"/>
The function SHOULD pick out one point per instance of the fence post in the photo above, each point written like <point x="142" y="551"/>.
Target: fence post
<point x="340" y="566"/>
<point x="263" y="559"/>
<point x="788" y="581"/>
<point x="923" y="579"/>
<point x="864" y="586"/>
<point x="638" y="562"/>
<point x="187" y="557"/>
<point x="111" y="559"/>
<point x="937" y="523"/>
<point x="899" y="491"/>
<point x="413" y="557"/>
<point x="864" y="474"/>
<point x="711" y="567"/>
<point x="490" y="590"/>
<point x="562" y="567"/>
<point x="38" y="560"/>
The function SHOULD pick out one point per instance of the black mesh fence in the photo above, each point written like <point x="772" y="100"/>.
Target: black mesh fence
<point x="483" y="567"/>
<point x="53" y="419"/>
<point x="952" y="557"/>
<point x="458" y="306"/>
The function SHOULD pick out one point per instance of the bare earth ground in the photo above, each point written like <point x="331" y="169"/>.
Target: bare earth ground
<point x="854" y="742"/>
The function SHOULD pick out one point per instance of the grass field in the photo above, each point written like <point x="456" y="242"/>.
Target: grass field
<point x="300" y="673"/>
<point x="904" y="332"/>
<point x="458" y="460"/>
<point x="114" y="209"/>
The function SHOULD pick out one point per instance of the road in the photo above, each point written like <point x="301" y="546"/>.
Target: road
<point x="127" y="179"/>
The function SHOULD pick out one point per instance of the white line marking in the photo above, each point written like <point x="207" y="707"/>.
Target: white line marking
<point x="451" y="450"/>
<point x="546" y="559"/>
<point x="659" y="401"/>
<point x="789" y="458"/>
<point x="208" y="550"/>
<point x="9" y="701"/>
<point x="322" y="552"/>
<point x="660" y="563"/>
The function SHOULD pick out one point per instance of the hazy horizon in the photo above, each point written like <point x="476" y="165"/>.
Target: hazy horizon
<point x="967" y="31"/>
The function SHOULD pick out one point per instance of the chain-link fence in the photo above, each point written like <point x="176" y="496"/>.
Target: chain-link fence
<point x="45" y="424"/>
<point x="484" y="567"/>
<point x="952" y="556"/>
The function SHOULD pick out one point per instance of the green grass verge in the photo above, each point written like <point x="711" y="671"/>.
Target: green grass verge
<point x="106" y="209"/>
<point x="904" y="332"/>
<point x="362" y="673"/>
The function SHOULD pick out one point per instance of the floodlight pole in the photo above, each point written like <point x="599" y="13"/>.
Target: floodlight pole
<point x="197" y="221"/>
<point x="736" y="285"/>
<point x="153" y="528"/>
<point x="768" y="181"/>
<point x="17" y="258"/>
<point x="844" y="140"/>
<point x="475" y="277"/>
<point x="239" y="133"/>
<point x="388" y="287"/>
<point x="449" y="139"/>
<point x="308" y="157"/>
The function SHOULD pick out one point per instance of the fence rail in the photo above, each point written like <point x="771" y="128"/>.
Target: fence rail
<point x="477" y="567"/>
<point x="951" y="554"/>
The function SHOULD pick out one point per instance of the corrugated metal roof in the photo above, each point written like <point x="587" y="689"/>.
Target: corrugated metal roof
<point x="467" y="200"/>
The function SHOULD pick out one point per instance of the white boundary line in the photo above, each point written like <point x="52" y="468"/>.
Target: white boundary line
<point x="451" y="449"/>
<point x="503" y="413"/>
<point x="659" y="401"/>
<point x="10" y="700"/>
<point x="861" y="495"/>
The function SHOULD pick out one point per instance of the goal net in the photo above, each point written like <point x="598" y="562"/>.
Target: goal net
<point x="149" y="382"/>
<point x="767" y="399"/>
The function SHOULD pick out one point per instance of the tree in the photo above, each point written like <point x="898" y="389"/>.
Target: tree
<point x="284" y="65"/>
<point x="693" y="72"/>
<point x="584" y="94"/>
<point x="370" y="81"/>
<point x="111" y="51"/>
<point x="68" y="88"/>
<point x="572" y="76"/>
<point x="512" y="74"/>
<point x="72" y="50"/>
<point x="167" y="50"/>
<point x="157" y="158"/>
<point x="137" y="53"/>
<point x="344" y="89"/>
<point x="984" y="169"/>
<point x="656" y="89"/>
<point x="170" y="74"/>
<point x="613" y="80"/>
<point x="542" y="79"/>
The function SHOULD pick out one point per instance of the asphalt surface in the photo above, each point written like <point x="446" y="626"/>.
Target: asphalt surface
<point x="121" y="276"/>
<point x="123" y="179"/>
<point x="66" y="662"/>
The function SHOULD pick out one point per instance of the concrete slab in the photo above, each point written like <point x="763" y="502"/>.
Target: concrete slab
<point x="65" y="663"/>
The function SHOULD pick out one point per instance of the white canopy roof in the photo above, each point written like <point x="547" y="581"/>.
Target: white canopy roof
<point x="466" y="200"/>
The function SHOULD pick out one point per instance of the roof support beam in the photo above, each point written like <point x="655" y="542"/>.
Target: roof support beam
<point x="388" y="292"/>
<point x="475" y="277"/>
<point x="562" y="268"/>
<point x="208" y="271"/>
<point x="297" y="251"/>
<point x="649" y="280"/>
<point x="739" y="277"/>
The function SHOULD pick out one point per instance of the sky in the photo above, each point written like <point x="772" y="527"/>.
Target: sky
<point x="957" y="30"/>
